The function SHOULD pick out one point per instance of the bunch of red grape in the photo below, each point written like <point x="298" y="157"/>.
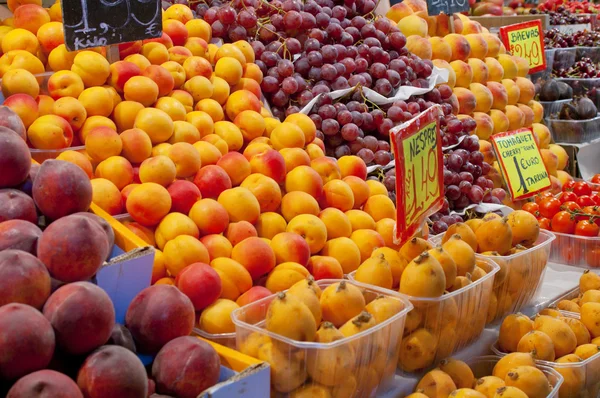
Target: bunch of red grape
<point x="305" y="49"/>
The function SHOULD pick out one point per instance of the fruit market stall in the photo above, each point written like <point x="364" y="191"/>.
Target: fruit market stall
<point x="303" y="199"/>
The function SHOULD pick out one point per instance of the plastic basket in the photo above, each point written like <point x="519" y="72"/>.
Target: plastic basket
<point x="44" y="154"/>
<point x="570" y="295"/>
<point x="577" y="251"/>
<point x="519" y="278"/>
<point x="564" y="58"/>
<point x="375" y="350"/>
<point x="581" y="87"/>
<point x="592" y="53"/>
<point x="574" y="131"/>
<point x="225" y="339"/>
<point x="450" y="322"/>
<point x="483" y="366"/>
<point x="554" y="107"/>
<point x="581" y="379"/>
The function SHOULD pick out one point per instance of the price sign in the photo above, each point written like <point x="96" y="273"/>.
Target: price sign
<point x="419" y="164"/>
<point x="448" y="7"/>
<point x="96" y="23"/>
<point x="526" y="40"/>
<point x="521" y="163"/>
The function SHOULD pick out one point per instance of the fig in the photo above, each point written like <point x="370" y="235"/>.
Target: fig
<point x="565" y="91"/>
<point x="568" y="112"/>
<point x="586" y="109"/>
<point x="550" y="91"/>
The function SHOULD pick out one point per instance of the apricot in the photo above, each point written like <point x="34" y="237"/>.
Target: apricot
<point x="290" y="247"/>
<point x="182" y="251"/>
<point x="156" y="123"/>
<point x="235" y="279"/>
<point x="251" y="123"/>
<point x="238" y="231"/>
<point x="265" y="189"/>
<point x="107" y="196"/>
<point x="50" y="132"/>
<point x="27" y="341"/>
<point x="173" y="225"/>
<point x="200" y="283"/>
<point x="337" y="223"/>
<point x="311" y="228"/>
<point x="287" y="135"/>
<point x="284" y="276"/>
<point x="148" y="203"/>
<point x="270" y="163"/>
<point x="241" y="204"/>
<point x="346" y="251"/>
<point x="255" y="255"/>
<point x="230" y="133"/>
<point x="92" y="67"/>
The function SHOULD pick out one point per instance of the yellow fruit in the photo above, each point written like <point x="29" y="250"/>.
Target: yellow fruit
<point x="462" y="254"/>
<point x="359" y="323"/>
<point x="436" y="384"/>
<point x="307" y="295"/>
<point x="287" y="369"/>
<point x="301" y="326"/>
<point x="333" y="368"/>
<point x="423" y="277"/>
<point x="383" y="308"/>
<point x="538" y="344"/>
<point x="530" y="380"/>
<point x="375" y="271"/>
<point x="562" y="336"/>
<point x="417" y="351"/>
<point x="589" y="281"/>
<point x="460" y="372"/>
<point x="590" y="316"/>
<point x="512" y="329"/>
<point x="414" y="247"/>
<point x="447" y="263"/>
<point x="341" y="302"/>
<point x="511" y="361"/>
<point x="465" y="232"/>
<point x="488" y="385"/>
<point x="495" y="235"/>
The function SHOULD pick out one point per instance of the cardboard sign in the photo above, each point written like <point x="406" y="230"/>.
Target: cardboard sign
<point x="521" y="163"/>
<point x="448" y="7"/>
<point x="526" y="40"/>
<point x="417" y="147"/>
<point x="96" y="23"/>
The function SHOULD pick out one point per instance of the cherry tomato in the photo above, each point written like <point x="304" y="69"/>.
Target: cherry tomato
<point x="586" y="228"/>
<point x="582" y="188"/>
<point x="544" y="222"/>
<point x="531" y="207"/>
<point x="584" y="201"/>
<point x="570" y="206"/>
<point x="568" y="186"/>
<point x="593" y="211"/>
<point x="543" y="195"/>
<point x="549" y="207"/>
<point x="563" y="222"/>
<point x="596" y="179"/>
<point x="568" y="197"/>
<point x="596" y="199"/>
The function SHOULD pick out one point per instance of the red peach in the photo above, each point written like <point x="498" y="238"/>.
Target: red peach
<point x="15" y="204"/>
<point x="19" y="235"/>
<point x="15" y="159"/>
<point x="23" y="279"/>
<point x="113" y="371"/>
<point x="157" y="315"/>
<point x="26" y="341"/>
<point x="50" y="382"/>
<point x="12" y="121"/>
<point x="185" y="367"/>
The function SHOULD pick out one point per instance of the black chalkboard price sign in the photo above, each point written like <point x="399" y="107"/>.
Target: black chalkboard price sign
<point x="95" y="23"/>
<point x="449" y="7"/>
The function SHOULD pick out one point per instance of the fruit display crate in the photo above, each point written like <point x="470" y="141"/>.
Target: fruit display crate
<point x="354" y="366"/>
<point x="576" y="251"/>
<point x="581" y="379"/>
<point x="574" y="131"/>
<point x="519" y="278"/>
<point x="483" y="366"/>
<point x="447" y="324"/>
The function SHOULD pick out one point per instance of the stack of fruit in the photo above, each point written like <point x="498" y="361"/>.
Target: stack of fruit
<point x="489" y="85"/>
<point x="569" y="343"/>
<point x="511" y="376"/>
<point x="588" y="282"/>
<point x="517" y="246"/>
<point x="53" y="321"/>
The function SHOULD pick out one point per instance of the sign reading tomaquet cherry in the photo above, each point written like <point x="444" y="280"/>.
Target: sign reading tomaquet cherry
<point x="526" y="40"/>
<point x="521" y="163"/>
<point x="418" y="157"/>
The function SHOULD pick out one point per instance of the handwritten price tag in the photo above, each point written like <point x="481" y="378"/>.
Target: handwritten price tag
<point x="521" y="163"/>
<point x="448" y="7"/>
<point x="419" y="169"/>
<point x="526" y="40"/>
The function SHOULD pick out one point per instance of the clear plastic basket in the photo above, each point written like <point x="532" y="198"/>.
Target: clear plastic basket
<point x="574" y="131"/>
<point x="225" y="339"/>
<point x="581" y="87"/>
<point x="448" y="323"/>
<point x="39" y="155"/>
<point x="564" y="58"/>
<point x="554" y="107"/>
<point x="592" y="53"/>
<point x="483" y="366"/>
<point x="375" y="350"/>
<point x="570" y="295"/>
<point x="543" y="76"/>
<point x="581" y="379"/>
<point x="578" y="251"/>
<point x="519" y="278"/>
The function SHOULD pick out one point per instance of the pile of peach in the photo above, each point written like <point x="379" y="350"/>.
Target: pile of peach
<point x="49" y="313"/>
<point x="488" y="84"/>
